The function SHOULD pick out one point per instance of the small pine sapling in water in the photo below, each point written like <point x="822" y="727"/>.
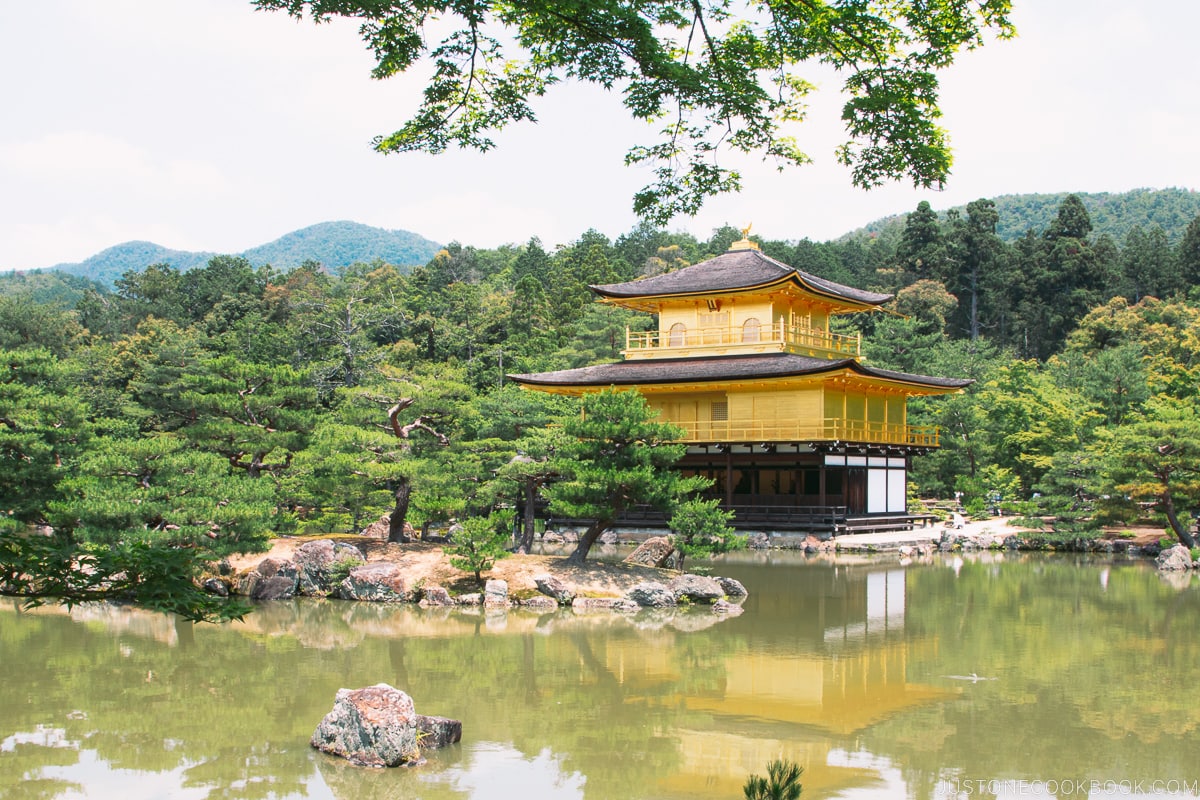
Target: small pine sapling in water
<point x="782" y="782"/>
<point x="481" y="542"/>
<point x="701" y="528"/>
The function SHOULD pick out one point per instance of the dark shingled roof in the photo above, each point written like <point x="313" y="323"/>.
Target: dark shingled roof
<point x="698" y="370"/>
<point x="735" y="269"/>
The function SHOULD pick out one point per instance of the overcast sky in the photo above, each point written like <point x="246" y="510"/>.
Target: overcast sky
<point x="205" y="125"/>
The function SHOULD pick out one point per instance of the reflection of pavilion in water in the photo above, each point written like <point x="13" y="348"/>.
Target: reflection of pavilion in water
<point x="798" y="694"/>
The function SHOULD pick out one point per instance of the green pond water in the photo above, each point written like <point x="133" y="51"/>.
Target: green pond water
<point x="999" y="675"/>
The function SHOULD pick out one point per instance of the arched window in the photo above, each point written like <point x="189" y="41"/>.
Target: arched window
<point x="750" y="330"/>
<point x="678" y="337"/>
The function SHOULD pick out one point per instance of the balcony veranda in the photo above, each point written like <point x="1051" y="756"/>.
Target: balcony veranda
<point x="831" y="430"/>
<point x="776" y="337"/>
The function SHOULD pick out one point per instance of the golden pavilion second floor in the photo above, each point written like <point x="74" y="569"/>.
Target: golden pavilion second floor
<point x="740" y="303"/>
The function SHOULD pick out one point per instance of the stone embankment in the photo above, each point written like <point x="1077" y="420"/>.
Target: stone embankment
<point x="367" y="570"/>
<point x="990" y="536"/>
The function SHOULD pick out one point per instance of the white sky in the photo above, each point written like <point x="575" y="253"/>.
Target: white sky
<point x="205" y="125"/>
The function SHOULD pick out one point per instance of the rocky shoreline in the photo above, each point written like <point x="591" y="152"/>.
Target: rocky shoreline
<point x="362" y="569"/>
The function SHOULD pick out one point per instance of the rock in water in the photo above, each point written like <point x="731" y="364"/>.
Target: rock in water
<point x="1174" y="558"/>
<point x="652" y="594"/>
<point x="435" y="732"/>
<point x="696" y="588"/>
<point x="731" y="586"/>
<point x="371" y="727"/>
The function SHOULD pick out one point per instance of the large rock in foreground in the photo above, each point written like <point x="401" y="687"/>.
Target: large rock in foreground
<point x="378" y="727"/>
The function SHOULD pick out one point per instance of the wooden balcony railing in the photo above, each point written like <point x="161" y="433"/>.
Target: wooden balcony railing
<point x="830" y="430"/>
<point x="792" y="338"/>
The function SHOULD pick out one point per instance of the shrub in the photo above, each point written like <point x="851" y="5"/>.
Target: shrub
<point x="481" y="542"/>
<point x="701" y="528"/>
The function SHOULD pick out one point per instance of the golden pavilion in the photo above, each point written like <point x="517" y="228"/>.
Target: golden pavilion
<point x="795" y="431"/>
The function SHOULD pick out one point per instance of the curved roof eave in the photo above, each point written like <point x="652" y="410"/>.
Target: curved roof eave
<point x="724" y="369"/>
<point x="734" y="271"/>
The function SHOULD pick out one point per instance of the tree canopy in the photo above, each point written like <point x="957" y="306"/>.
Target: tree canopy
<point x="715" y="76"/>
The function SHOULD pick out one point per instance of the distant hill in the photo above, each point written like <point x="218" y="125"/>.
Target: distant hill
<point x="333" y="244"/>
<point x="1112" y="214"/>
<point x="108" y="265"/>
<point x="340" y="244"/>
<point x="48" y="287"/>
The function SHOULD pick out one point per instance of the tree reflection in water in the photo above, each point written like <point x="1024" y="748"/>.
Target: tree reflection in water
<point x="839" y="667"/>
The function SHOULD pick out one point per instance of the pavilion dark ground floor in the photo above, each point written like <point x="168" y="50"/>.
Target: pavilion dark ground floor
<point x="824" y="490"/>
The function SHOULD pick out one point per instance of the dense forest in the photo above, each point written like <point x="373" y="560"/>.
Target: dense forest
<point x="217" y="406"/>
<point x="1112" y="214"/>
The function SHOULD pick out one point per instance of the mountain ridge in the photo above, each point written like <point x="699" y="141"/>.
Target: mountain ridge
<point x="1112" y="213"/>
<point x="334" y="244"/>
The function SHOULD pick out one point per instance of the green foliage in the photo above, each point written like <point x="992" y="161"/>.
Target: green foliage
<point x="1112" y="214"/>
<point x="49" y="287"/>
<point x="31" y="325"/>
<point x="480" y="542"/>
<point x="701" y="528"/>
<point x="782" y="782"/>
<point x="39" y="568"/>
<point x="615" y="455"/>
<point x="716" y="77"/>
<point x="42" y="427"/>
<point x="340" y="569"/>
<point x="1155" y="459"/>
<point x="158" y="490"/>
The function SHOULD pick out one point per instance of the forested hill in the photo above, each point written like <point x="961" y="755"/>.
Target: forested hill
<point x="1112" y="214"/>
<point x="332" y="244"/>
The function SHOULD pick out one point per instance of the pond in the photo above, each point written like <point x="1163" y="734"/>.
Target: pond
<point x="998" y="674"/>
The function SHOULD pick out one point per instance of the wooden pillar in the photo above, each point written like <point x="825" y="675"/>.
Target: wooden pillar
<point x="824" y="501"/>
<point x="729" y="479"/>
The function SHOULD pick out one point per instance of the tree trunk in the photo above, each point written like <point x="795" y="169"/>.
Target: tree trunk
<point x="1181" y="531"/>
<point x="399" y="512"/>
<point x="587" y="540"/>
<point x="255" y="468"/>
<point x="525" y="544"/>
